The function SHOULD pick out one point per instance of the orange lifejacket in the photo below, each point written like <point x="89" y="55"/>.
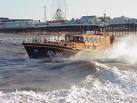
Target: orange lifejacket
<point x="112" y="38"/>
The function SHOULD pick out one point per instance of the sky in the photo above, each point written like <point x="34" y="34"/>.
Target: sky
<point x="33" y="9"/>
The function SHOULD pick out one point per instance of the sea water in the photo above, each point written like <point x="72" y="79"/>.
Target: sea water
<point x="110" y="77"/>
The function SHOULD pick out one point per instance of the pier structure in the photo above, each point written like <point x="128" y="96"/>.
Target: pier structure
<point x="122" y="29"/>
<point x="74" y="28"/>
<point x="116" y="29"/>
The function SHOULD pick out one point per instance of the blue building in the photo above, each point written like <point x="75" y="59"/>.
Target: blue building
<point x="88" y="20"/>
<point x="123" y="20"/>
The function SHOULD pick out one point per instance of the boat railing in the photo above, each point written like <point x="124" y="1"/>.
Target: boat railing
<point x="34" y="40"/>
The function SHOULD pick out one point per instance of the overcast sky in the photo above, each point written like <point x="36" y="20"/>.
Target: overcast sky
<point x="33" y="9"/>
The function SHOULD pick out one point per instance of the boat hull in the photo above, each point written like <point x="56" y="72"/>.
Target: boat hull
<point x="38" y="51"/>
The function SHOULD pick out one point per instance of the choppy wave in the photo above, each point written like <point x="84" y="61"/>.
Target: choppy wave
<point x="44" y="76"/>
<point x="124" y="50"/>
<point x="87" y="78"/>
<point x="108" y="85"/>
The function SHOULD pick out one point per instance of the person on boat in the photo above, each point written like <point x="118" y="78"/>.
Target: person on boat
<point x="112" y="38"/>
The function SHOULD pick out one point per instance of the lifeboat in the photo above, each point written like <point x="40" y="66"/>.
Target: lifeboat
<point x="69" y="46"/>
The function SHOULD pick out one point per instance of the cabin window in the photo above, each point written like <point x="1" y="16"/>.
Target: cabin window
<point x="67" y="39"/>
<point x="102" y="39"/>
<point x="91" y="39"/>
<point x="78" y="38"/>
<point x="86" y="39"/>
<point x="71" y="38"/>
<point x="99" y="39"/>
<point x="95" y="39"/>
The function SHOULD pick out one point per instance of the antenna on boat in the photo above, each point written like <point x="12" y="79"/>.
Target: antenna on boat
<point x="104" y="21"/>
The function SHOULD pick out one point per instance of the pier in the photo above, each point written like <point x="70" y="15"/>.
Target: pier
<point x="116" y="29"/>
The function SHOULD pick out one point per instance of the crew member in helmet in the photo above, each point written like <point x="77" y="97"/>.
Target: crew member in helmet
<point x="112" y="38"/>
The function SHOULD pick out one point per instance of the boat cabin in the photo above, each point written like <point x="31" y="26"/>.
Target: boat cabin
<point x="84" y="38"/>
<point x="87" y="40"/>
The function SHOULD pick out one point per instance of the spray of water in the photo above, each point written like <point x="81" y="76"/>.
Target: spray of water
<point x="108" y="85"/>
<point x="124" y="50"/>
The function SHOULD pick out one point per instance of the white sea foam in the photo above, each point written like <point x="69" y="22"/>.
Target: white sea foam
<point x="108" y="85"/>
<point x="124" y="50"/>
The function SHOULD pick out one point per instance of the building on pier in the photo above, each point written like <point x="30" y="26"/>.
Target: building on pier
<point x="17" y="23"/>
<point x="123" y="20"/>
